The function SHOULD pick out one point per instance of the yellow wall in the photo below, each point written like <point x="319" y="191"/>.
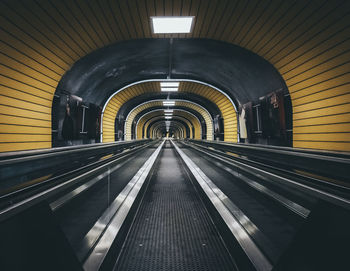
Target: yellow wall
<point x="227" y="110"/>
<point x="307" y="41"/>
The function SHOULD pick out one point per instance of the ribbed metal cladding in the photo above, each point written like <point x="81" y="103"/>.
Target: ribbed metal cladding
<point x="172" y="230"/>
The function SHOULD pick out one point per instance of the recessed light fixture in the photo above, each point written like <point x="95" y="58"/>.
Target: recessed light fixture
<point x="168" y="118"/>
<point x="169" y="103"/>
<point x="173" y="24"/>
<point x="168" y="110"/>
<point x="169" y="89"/>
<point x="169" y="84"/>
<point x="168" y="114"/>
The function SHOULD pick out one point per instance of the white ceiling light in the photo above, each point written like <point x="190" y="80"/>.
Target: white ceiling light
<point x="169" y="89"/>
<point x="169" y="84"/>
<point x="168" y="118"/>
<point x="169" y="103"/>
<point x="168" y="114"/>
<point x="168" y="25"/>
<point x="168" y="110"/>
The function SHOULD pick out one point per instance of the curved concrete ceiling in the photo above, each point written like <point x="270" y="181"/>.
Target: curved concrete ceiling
<point x="140" y="99"/>
<point x="243" y="75"/>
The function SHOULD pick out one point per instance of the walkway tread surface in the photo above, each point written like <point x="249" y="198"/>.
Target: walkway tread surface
<point x="172" y="230"/>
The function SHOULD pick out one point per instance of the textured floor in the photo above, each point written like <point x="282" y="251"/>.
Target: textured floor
<point x="172" y="230"/>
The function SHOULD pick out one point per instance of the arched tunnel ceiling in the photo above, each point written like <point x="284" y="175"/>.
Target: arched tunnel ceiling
<point x="190" y="110"/>
<point x="178" y="120"/>
<point x="140" y="99"/>
<point x="178" y="112"/>
<point x="138" y="112"/>
<point x="195" y="113"/>
<point x="242" y="74"/>
<point x="151" y="89"/>
<point x="161" y="125"/>
<point x="307" y="42"/>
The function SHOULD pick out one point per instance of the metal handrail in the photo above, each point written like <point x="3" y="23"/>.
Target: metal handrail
<point x="66" y="183"/>
<point x="329" y="164"/>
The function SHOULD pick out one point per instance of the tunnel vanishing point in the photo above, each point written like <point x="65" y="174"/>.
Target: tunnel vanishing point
<point x="174" y="135"/>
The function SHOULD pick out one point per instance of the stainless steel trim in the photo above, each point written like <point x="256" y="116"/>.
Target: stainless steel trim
<point x="67" y="197"/>
<point x="294" y="207"/>
<point x="115" y="215"/>
<point x="221" y="202"/>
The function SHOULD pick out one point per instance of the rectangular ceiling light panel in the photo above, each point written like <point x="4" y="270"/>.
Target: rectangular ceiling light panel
<point x="168" y="25"/>
<point x="169" y="84"/>
<point x="168" y="110"/>
<point x="169" y="89"/>
<point x="170" y="103"/>
<point x="168" y="118"/>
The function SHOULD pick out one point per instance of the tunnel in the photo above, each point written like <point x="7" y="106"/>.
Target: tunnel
<point x="174" y="134"/>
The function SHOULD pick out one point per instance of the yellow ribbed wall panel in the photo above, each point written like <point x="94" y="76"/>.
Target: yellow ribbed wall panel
<point x="334" y="91"/>
<point x="334" y="65"/>
<point x="323" y="137"/>
<point x="24" y="138"/>
<point x="23" y="104"/>
<point x="13" y="84"/>
<point x="320" y="96"/>
<point x="333" y="73"/>
<point x="307" y="45"/>
<point x="8" y="110"/>
<point x="322" y="145"/>
<point x="332" y="110"/>
<point x="342" y="99"/>
<point x="20" y="57"/>
<point x="17" y="129"/>
<point x="307" y="62"/>
<point x="17" y="120"/>
<point x="35" y="72"/>
<point x="341" y="118"/>
<point x="329" y="128"/>
<point x="223" y="103"/>
<point x="11" y="93"/>
<point x="19" y="146"/>
<point x="322" y="85"/>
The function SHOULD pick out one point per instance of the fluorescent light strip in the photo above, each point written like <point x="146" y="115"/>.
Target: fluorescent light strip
<point x="169" y="89"/>
<point x="169" y="103"/>
<point x="168" y="110"/>
<point x="168" y="25"/>
<point x="169" y="84"/>
<point x="168" y="118"/>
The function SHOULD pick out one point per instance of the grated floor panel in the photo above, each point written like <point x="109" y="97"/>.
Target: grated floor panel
<point x="172" y="230"/>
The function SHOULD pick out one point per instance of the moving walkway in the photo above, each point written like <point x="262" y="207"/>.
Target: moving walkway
<point x="167" y="205"/>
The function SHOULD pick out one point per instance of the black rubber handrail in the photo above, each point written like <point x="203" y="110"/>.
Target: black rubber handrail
<point x="328" y="164"/>
<point x="48" y="189"/>
<point x="17" y="170"/>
